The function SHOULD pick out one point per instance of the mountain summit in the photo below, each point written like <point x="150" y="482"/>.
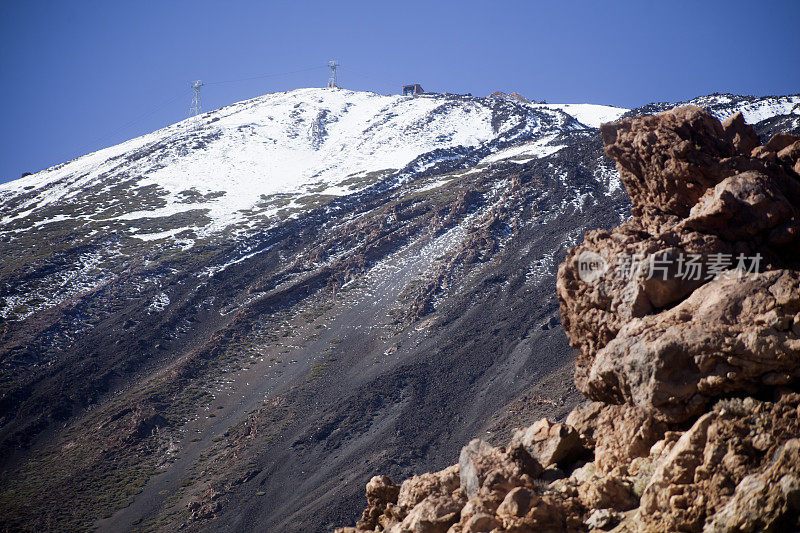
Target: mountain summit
<point x="257" y="158"/>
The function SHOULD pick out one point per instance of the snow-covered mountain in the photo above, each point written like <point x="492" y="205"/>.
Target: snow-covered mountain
<point x="254" y="165"/>
<point x="275" y="153"/>
<point x="292" y="291"/>
<point x="754" y="109"/>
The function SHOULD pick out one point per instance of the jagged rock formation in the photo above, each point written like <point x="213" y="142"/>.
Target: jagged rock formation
<point x="643" y="338"/>
<point x="694" y="423"/>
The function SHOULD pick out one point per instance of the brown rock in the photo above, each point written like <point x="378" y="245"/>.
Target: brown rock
<point x="780" y="141"/>
<point x="517" y="503"/>
<point x="380" y="493"/>
<point x="730" y="335"/>
<point x="791" y="154"/>
<point x="550" y="443"/>
<point x="603" y="519"/>
<point x="765" y="501"/>
<point x="417" y="488"/>
<point x="730" y="463"/>
<point x="699" y="188"/>
<point x="608" y="492"/>
<point x="740" y="135"/>
<point x="763" y="153"/>
<point x="480" y="523"/>
<point x="746" y="206"/>
<point x="434" y="514"/>
<point x="494" y="471"/>
<point x="667" y="161"/>
<point x="624" y="432"/>
<point x="594" y="311"/>
<point x="584" y="419"/>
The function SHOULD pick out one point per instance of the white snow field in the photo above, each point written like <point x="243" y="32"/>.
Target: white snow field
<point x="590" y="114"/>
<point x="303" y="141"/>
<point x="283" y="150"/>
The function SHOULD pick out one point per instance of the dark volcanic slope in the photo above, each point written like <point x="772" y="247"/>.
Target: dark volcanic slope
<point x="488" y="341"/>
<point x="256" y="382"/>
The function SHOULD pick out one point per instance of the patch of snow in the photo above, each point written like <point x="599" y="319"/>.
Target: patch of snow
<point x="58" y="287"/>
<point x="212" y="271"/>
<point x="538" y="148"/>
<point x="592" y="115"/>
<point x="158" y="235"/>
<point x="434" y="185"/>
<point x="608" y="177"/>
<point x="761" y="109"/>
<point x="160" y="302"/>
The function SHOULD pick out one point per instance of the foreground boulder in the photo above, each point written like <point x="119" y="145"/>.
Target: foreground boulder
<point x="550" y="443"/>
<point x="697" y="296"/>
<point x="730" y="336"/>
<point x="687" y="322"/>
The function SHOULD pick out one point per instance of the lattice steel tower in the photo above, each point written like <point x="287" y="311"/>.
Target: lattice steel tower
<point x="197" y="106"/>
<point x="332" y="78"/>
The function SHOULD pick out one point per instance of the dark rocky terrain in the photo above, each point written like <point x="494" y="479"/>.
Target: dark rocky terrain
<point x="256" y="377"/>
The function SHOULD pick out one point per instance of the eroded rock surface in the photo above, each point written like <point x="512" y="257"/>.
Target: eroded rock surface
<point x="694" y="418"/>
<point x="700" y="293"/>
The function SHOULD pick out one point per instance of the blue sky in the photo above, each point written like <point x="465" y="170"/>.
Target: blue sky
<point x="78" y="75"/>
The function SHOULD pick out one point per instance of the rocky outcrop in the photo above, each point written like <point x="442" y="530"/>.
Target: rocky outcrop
<point x="381" y="493"/>
<point x="731" y="458"/>
<point x="730" y="336"/>
<point x="687" y="322"/>
<point x="697" y="295"/>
